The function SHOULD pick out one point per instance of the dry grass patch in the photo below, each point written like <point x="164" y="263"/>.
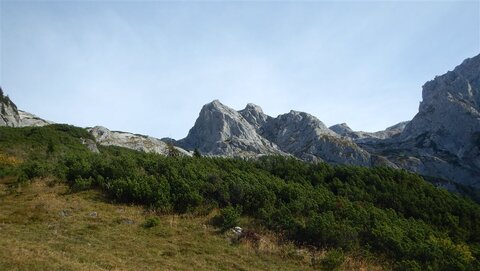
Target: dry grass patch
<point x="45" y="227"/>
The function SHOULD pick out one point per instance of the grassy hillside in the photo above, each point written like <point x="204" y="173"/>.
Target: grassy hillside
<point x="44" y="227"/>
<point x="392" y="216"/>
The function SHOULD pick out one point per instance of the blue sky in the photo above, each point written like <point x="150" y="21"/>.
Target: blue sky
<point x="149" y="66"/>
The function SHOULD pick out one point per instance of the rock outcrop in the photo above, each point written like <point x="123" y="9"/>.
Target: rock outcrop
<point x="105" y="137"/>
<point x="28" y="119"/>
<point x="443" y="139"/>
<point x="306" y="137"/>
<point x="11" y="116"/>
<point x="360" y="136"/>
<point x="220" y="130"/>
<point x="8" y="112"/>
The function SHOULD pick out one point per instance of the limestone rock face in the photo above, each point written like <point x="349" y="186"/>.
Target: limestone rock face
<point x="220" y="130"/>
<point x="306" y="137"/>
<point x="344" y="130"/>
<point x="360" y="136"/>
<point x="13" y="117"/>
<point x="8" y="112"/>
<point x="450" y="110"/>
<point x="104" y="136"/>
<point x="443" y="139"/>
<point x="255" y="116"/>
<point x="28" y="119"/>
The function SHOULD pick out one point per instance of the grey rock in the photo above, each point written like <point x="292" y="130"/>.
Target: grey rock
<point x="11" y="116"/>
<point x="306" y="137"/>
<point x="28" y="119"/>
<point x="255" y="116"/>
<point x="91" y="145"/>
<point x="8" y="112"/>
<point x="443" y="139"/>
<point x="220" y="130"/>
<point x="360" y="136"/>
<point x="105" y="137"/>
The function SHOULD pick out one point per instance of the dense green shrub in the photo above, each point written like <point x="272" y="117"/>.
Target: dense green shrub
<point x="151" y="222"/>
<point x="228" y="218"/>
<point x="384" y="211"/>
<point x="333" y="259"/>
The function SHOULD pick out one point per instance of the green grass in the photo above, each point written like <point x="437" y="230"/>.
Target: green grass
<point x="45" y="227"/>
<point x="392" y="216"/>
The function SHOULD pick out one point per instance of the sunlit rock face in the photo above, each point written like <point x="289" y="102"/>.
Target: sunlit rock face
<point x="8" y="112"/>
<point x="220" y="130"/>
<point x="443" y="139"/>
<point x="105" y="137"/>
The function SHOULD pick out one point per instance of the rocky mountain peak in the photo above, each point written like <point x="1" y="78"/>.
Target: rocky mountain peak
<point x="220" y="130"/>
<point x="461" y="84"/>
<point x="342" y="129"/>
<point x="8" y="112"/>
<point x="253" y="108"/>
<point x="254" y="115"/>
<point x="443" y="139"/>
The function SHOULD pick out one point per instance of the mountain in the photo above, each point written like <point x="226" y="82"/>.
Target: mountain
<point x="443" y="139"/>
<point x="359" y="136"/>
<point x="11" y="116"/>
<point x="8" y="112"/>
<point x="307" y="138"/>
<point x="105" y="137"/>
<point x="220" y="130"/>
<point x="28" y="119"/>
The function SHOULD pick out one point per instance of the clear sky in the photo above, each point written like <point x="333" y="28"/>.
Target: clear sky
<point x="149" y="66"/>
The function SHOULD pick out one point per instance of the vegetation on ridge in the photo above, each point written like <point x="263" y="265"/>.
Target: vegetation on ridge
<point x="346" y="209"/>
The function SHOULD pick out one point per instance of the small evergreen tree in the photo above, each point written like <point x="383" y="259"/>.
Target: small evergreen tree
<point x="196" y="153"/>
<point x="172" y="151"/>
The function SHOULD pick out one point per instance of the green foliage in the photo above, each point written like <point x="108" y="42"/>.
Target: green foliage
<point x="81" y="184"/>
<point x="408" y="265"/>
<point x="228" y="218"/>
<point x="332" y="260"/>
<point x="196" y="153"/>
<point x="172" y="151"/>
<point x="151" y="222"/>
<point x="382" y="211"/>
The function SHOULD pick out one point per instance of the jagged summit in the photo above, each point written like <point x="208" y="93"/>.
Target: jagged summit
<point x="220" y="130"/>
<point x="442" y="140"/>
<point x="359" y="136"/>
<point x="255" y="116"/>
<point x="342" y="129"/>
<point x="306" y="137"/>
<point x="10" y="115"/>
<point x="8" y="112"/>
<point x="253" y="107"/>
